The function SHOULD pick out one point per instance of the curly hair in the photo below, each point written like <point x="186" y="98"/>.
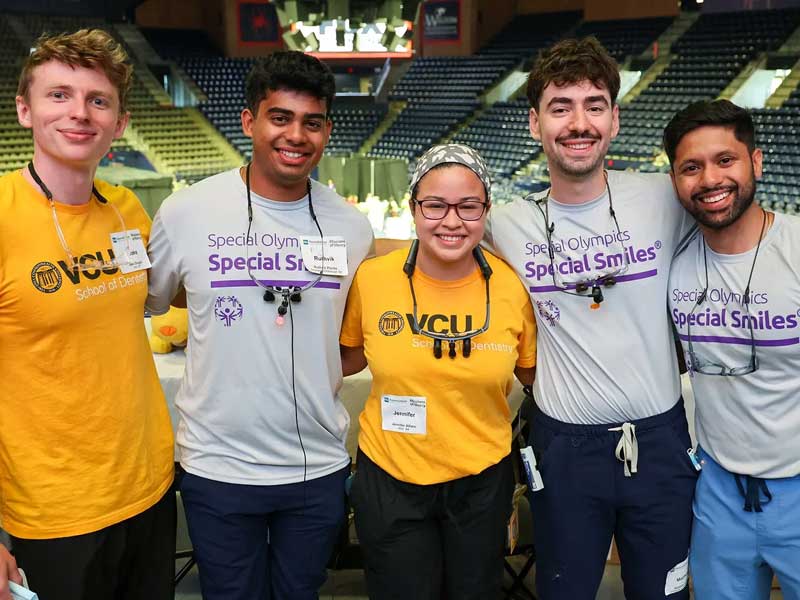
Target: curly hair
<point x="88" y="48"/>
<point x="572" y="61"/>
<point x="289" y="70"/>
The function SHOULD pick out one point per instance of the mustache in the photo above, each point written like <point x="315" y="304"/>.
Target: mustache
<point x="718" y="189"/>
<point x="580" y="135"/>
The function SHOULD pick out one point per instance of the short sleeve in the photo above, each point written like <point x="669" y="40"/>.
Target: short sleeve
<point x="684" y="224"/>
<point x="164" y="282"/>
<point x="133" y="213"/>
<point x="352" y="334"/>
<point x="526" y="349"/>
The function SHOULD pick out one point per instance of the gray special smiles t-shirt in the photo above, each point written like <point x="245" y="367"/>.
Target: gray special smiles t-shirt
<point x="617" y="362"/>
<point x="749" y="424"/>
<point x="237" y="413"/>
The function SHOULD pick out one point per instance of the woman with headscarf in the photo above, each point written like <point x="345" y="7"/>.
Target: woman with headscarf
<point x="443" y="327"/>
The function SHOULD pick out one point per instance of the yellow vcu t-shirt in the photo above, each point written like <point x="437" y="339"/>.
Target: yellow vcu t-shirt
<point x="430" y="420"/>
<point x="85" y="435"/>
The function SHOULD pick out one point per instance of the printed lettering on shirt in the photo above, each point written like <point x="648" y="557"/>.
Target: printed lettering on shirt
<point x="583" y="258"/>
<point x="274" y="259"/>
<point x="392" y="322"/>
<point x="50" y="277"/>
<point x="725" y="309"/>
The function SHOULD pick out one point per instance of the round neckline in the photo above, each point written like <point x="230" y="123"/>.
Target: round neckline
<point x="264" y="202"/>
<point x="747" y="255"/>
<point x="447" y="283"/>
<point x="588" y="205"/>
<point x="61" y="207"/>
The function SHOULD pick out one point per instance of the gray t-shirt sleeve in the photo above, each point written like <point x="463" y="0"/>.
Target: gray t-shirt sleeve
<point x="488" y="241"/>
<point x="164" y="282"/>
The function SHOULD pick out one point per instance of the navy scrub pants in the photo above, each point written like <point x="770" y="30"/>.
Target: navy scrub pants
<point x="263" y="542"/>
<point x="587" y="498"/>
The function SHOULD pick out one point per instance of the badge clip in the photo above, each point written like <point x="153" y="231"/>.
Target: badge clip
<point x="695" y="462"/>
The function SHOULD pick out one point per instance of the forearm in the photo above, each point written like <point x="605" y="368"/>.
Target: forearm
<point x="525" y="375"/>
<point x="353" y="359"/>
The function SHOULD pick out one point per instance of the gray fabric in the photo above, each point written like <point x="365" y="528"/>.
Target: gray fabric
<point x="616" y="363"/>
<point x="237" y="413"/>
<point x="453" y="154"/>
<point x="748" y="424"/>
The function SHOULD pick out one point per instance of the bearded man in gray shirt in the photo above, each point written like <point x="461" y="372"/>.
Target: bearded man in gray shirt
<point x="734" y="295"/>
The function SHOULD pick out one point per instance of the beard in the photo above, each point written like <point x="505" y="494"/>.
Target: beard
<point x="744" y="196"/>
<point x="578" y="169"/>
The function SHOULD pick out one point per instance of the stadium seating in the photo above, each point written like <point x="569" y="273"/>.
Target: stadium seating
<point x="623" y="38"/>
<point x="442" y="93"/>
<point x="778" y="135"/>
<point x="445" y="98"/>
<point x="223" y="81"/>
<point x="525" y="35"/>
<point x="707" y="58"/>
<point x="502" y="136"/>
<point x="16" y="143"/>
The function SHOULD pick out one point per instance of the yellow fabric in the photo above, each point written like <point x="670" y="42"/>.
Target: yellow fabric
<point x="85" y="435"/>
<point x="468" y="418"/>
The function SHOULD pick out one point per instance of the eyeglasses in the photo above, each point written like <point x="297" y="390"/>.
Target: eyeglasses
<point x="288" y="293"/>
<point x="619" y="262"/>
<point x="452" y="337"/>
<point x="436" y="210"/>
<point x="81" y="264"/>
<point x="706" y="366"/>
<point x="93" y="264"/>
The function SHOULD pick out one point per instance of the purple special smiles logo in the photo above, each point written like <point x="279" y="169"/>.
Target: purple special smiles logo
<point x="549" y="311"/>
<point x="228" y="309"/>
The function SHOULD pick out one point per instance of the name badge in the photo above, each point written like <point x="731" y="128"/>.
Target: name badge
<point x="328" y="253"/>
<point x="405" y="414"/>
<point x="129" y="249"/>
<point x="677" y="578"/>
<point x="535" y="482"/>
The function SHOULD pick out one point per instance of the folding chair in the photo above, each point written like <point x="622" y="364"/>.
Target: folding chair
<point x="346" y="553"/>
<point x="518" y="590"/>
<point x="188" y="553"/>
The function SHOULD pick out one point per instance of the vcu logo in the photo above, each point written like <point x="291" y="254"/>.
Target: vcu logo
<point x="391" y="323"/>
<point x="46" y="277"/>
<point x="443" y="324"/>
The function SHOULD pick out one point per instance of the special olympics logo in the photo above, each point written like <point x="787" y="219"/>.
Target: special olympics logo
<point x="45" y="277"/>
<point x="228" y="309"/>
<point x="549" y="311"/>
<point x="391" y="323"/>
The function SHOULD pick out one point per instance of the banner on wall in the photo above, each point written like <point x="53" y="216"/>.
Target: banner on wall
<point x="442" y="20"/>
<point x="258" y="23"/>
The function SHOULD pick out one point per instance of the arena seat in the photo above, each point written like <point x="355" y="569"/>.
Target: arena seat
<point x="708" y="56"/>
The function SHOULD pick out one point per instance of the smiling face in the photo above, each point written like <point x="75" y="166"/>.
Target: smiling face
<point x="445" y="246"/>
<point x="575" y="124"/>
<point x="74" y="113"/>
<point x="714" y="175"/>
<point x="289" y="135"/>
